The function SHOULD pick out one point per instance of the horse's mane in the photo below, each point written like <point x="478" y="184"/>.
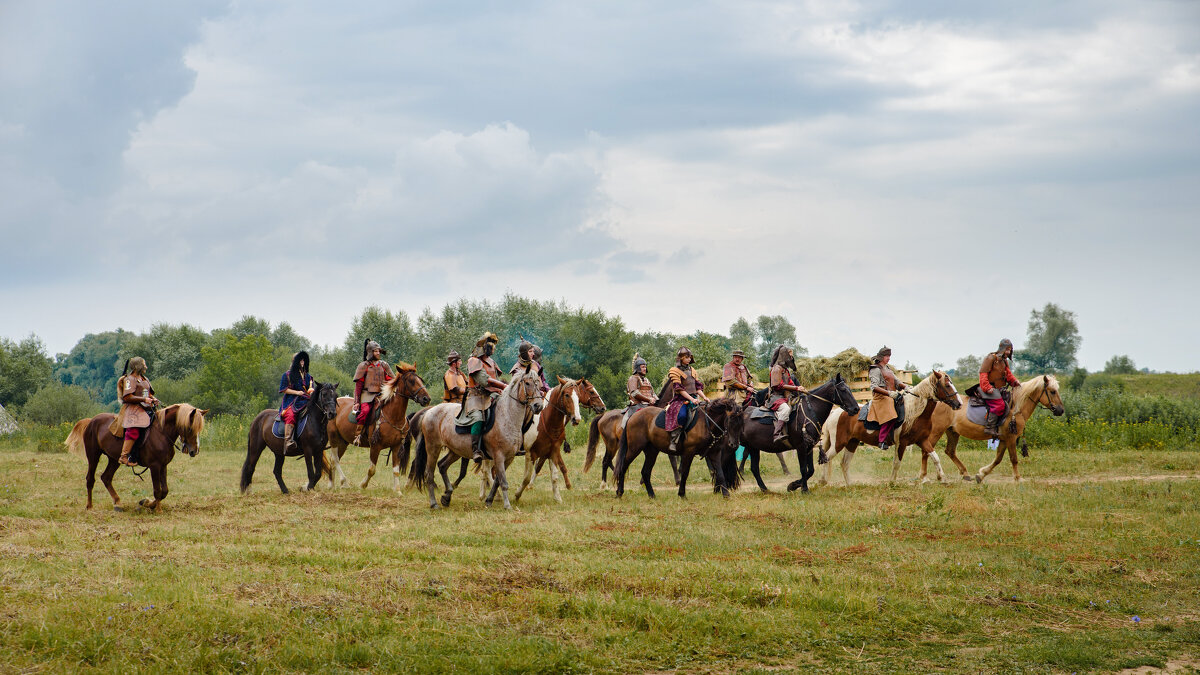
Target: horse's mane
<point x="924" y="394"/>
<point x="187" y="418"/>
<point x="388" y="389"/>
<point x="1027" y="387"/>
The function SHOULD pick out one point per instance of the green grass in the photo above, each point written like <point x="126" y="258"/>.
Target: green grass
<point x="873" y="578"/>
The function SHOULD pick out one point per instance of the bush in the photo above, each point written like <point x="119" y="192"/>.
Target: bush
<point x="57" y="403"/>
<point x="1106" y="416"/>
<point x="1101" y="381"/>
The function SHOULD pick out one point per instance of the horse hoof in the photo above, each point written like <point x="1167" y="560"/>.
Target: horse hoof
<point x="978" y="479"/>
<point x="434" y="507"/>
<point x="119" y="509"/>
<point x="968" y="478"/>
<point x="445" y="500"/>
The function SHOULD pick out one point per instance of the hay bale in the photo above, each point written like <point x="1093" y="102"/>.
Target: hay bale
<point x="818" y="369"/>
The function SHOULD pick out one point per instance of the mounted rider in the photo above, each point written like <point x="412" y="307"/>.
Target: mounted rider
<point x="137" y="407"/>
<point x="735" y="377"/>
<point x="995" y="377"/>
<point x="529" y="355"/>
<point x="296" y="385"/>
<point x="454" y="382"/>
<point x="639" y="389"/>
<point x="689" y="391"/>
<point x="369" y="377"/>
<point x="783" y="385"/>
<point x="885" y="391"/>
<point x="485" y="385"/>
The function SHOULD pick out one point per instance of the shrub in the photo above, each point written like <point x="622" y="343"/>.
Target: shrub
<point x="57" y="403"/>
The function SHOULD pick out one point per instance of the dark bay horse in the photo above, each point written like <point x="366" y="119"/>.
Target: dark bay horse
<point x="715" y="437"/>
<point x="310" y="442"/>
<point x="803" y="429"/>
<point x="391" y="429"/>
<point x="90" y="437"/>
<point x="564" y="402"/>
<point x="607" y="428"/>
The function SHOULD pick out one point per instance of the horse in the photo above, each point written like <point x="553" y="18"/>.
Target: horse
<point x="309" y="443"/>
<point x="607" y="428"/>
<point x="809" y="412"/>
<point x="843" y="431"/>
<point x="715" y="437"/>
<point x="517" y="403"/>
<point x="390" y="430"/>
<point x="1040" y="390"/>
<point x="563" y="402"/>
<point x="90" y="438"/>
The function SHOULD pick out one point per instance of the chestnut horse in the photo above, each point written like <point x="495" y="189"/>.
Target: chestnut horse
<point x="520" y="400"/>
<point x="389" y="431"/>
<point x="845" y="432"/>
<point x="310" y="442"/>
<point x="809" y="412"/>
<point x="1041" y="390"/>
<point x="715" y="437"/>
<point x="562" y="403"/>
<point x="90" y="438"/>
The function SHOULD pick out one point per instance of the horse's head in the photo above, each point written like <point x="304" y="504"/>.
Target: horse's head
<point x="526" y="388"/>
<point x="726" y="413"/>
<point x="568" y="398"/>
<point x="842" y="396"/>
<point x="944" y="390"/>
<point x="1050" y="396"/>
<point x="411" y="386"/>
<point x="590" y="398"/>
<point x="326" y="399"/>
<point x="189" y="422"/>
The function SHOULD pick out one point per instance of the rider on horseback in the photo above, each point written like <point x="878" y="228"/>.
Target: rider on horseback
<point x="641" y="392"/>
<point x="685" y="382"/>
<point x="995" y="376"/>
<point x="296" y="385"/>
<point x="529" y="355"/>
<point x="486" y="385"/>
<point x="137" y="406"/>
<point x="783" y="384"/>
<point x="736" y="378"/>
<point x="885" y="391"/>
<point x="368" y="383"/>
<point x="454" y="382"/>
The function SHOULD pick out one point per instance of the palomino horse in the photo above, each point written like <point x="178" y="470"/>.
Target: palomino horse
<point x="90" y="438"/>
<point x="1041" y="390"/>
<point x="516" y="404"/>
<point x="310" y="442"/>
<point x="843" y="431"/>
<point x="562" y="403"/>
<point x="390" y="430"/>
<point x="714" y="437"/>
<point x="803" y="429"/>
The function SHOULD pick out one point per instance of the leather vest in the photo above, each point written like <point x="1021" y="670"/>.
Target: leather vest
<point x="376" y="376"/>
<point x="451" y="380"/>
<point x="996" y="373"/>
<point x="639" y="384"/>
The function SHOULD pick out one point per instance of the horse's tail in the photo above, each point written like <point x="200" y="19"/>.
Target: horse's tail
<point x="414" y="431"/>
<point x="416" y="472"/>
<point x="593" y="441"/>
<point x="74" y="441"/>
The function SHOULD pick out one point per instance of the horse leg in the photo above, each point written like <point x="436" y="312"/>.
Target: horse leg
<point x="486" y="468"/>
<point x="254" y="448"/>
<point x="622" y="468"/>
<point x="444" y="468"/>
<point x="558" y="460"/>
<point x="278" y="471"/>
<point x="985" y="470"/>
<point x="674" y="467"/>
<point x="952" y="452"/>
<point x="431" y="465"/>
<point x="718" y="470"/>
<point x="93" y="461"/>
<point x="783" y="464"/>
<point x="529" y="462"/>
<point x="502" y="468"/>
<point x="106" y="477"/>
<point x="827" y="472"/>
<point x="896" y="457"/>
<point x="847" y="457"/>
<point x="685" y="467"/>
<point x="313" y="477"/>
<point x="1012" y="455"/>
<point x="806" y="468"/>
<point x="395" y="451"/>
<point x="756" y="470"/>
<point x="335" y="465"/>
<point x="370" y="469"/>
<point x="462" y="469"/>
<point x="648" y="468"/>
<point x="158" y="478"/>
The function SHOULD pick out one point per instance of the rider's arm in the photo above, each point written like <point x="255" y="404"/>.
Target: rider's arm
<point x="985" y="384"/>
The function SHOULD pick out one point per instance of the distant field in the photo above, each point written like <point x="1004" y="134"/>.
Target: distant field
<point x="1079" y="569"/>
<point x="1185" y="385"/>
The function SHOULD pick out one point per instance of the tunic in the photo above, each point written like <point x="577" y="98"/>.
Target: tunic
<point x="780" y="376"/>
<point x="993" y="373"/>
<point x="455" y="384"/>
<point x="372" y="374"/>
<point x="294" y="401"/>
<point x="883" y="408"/>
<point x="639" y="384"/>
<point x="736" y="379"/>
<point x="683" y="379"/>
<point x="480" y="394"/>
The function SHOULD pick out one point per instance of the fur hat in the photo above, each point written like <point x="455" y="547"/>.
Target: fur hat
<point x="883" y="351"/>
<point x="369" y="346"/>
<point x="782" y="355"/>
<point x="452" y="357"/>
<point x="487" y="337"/>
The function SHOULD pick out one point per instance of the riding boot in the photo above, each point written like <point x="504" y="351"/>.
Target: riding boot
<point x="675" y="436"/>
<point x="479" y="452"/>
<point x="289" y="442"/>
<point x="358" y="435"/>
<point x="126" y="448"/>
<point x="992" y="425"/>
<point x="781" y="435"/>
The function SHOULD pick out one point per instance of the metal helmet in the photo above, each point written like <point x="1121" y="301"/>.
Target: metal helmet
<point x="638" y="362"/>
<point x="452" y="357"/>
<point x="1004" y="344"/>
<point x="369" y="346"/>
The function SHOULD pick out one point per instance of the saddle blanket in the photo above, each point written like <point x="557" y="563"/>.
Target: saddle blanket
<point x="762" y="415"/>
<point x="976" y="412"/>
<point x="661" y="420"/>
<point x="277" y="427"/>
<point x="874" y="426"/>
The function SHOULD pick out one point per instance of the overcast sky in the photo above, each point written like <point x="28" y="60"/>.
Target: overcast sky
<point x="916" y="174"/>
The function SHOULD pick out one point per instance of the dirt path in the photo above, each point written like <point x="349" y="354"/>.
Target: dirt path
<point x="856" y="479"/>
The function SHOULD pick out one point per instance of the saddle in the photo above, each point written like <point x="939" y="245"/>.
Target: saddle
<point x="874" y="426"/>
<point x="277" y="427"/>
<point x="489" y="420"/>
<point x="688" y="422"/>
<point x="977" y="405"/>
<point x="762" y="415"/>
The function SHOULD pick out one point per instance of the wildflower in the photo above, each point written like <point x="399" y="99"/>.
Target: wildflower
<point x="1137" y="619"/>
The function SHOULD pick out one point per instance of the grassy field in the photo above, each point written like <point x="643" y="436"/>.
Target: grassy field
<point x="1092" y="564"/>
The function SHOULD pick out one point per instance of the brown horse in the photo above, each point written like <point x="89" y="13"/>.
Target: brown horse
<point x="607" y="428"/>
<point x="516" y="405"/>
<point x="310" y="441"/>
<point x="1041" y="390"/>
<point x="562" y="403"/>
<point x="715" y="437"/>
<point x="845" y="432"/>
<point x="90" y="438"/>
<point x="389" y="432"/>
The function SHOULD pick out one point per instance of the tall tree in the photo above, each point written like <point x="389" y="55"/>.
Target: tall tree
<point x="393" y="332"/>
<point x="968" y="366"/>
<point x="741" y="336"/>
<point x="1052" y="340"/>
<point x="24" y="368"/>
<point x="170" y="351"/>
<point x="286" y="337"/>
<point x="236" y="376"/>
<point x="94" y="363"/>
<point x="1120" y="365"/>
<point x="773" y="331"/>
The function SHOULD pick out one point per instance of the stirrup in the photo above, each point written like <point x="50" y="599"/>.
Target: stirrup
<point x="126" y="460"/>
